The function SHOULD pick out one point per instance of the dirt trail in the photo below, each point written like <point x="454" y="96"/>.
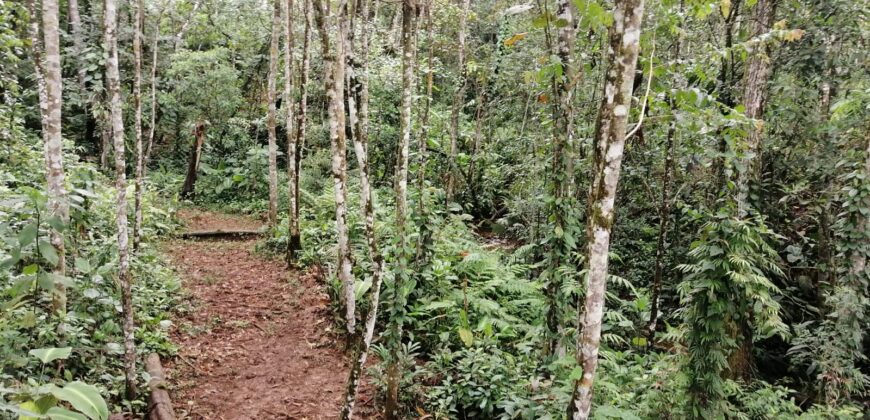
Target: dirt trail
<point x="257" y="342"/>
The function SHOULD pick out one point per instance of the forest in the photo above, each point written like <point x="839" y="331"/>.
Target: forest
<point x="434" y="209"/>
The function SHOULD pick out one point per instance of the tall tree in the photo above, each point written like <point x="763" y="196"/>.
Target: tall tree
<point x="359" y="98"/>
<point x="756" y="76"/>
<point x="562" y="244"/>
<point x="334" y="67"/>
<point x="409" y="12"/>
<point x="292" y="145"/>
<point x="609" y="140"/>
<point x="75" y="23"/>
<point x="458" y="102"/>
<point x="50" y="89"/>
<point x="137" y="104"/>
<point x="301" y="124"/>
<point x="113" y="79"/>
<point x="272" y="113"/>
<point x="152" y="127"/>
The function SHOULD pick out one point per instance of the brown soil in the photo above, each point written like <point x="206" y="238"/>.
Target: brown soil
<point x="256" y="342"/>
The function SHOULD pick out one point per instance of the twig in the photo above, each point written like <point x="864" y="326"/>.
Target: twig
<point x="652" y="55"/>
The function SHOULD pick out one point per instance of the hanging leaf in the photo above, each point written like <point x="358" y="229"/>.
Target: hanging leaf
<point x="47" y="355"/>
<point x="513" y="10"/>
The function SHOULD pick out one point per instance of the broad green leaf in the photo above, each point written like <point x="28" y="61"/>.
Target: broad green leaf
<point x="84" y="398"/>
<point x="50" y="354"/>
<point x="56" y="223"/>
<point x="466" y="336"/>
<point x="58" y="413"/>
<point x="83" y="265"/>
<point x="48" y="252"/>
<point x="27" y="235"/>
<point x="30" y="270"/>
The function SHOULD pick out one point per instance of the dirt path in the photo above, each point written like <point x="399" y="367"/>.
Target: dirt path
<point x="257" y="342"/>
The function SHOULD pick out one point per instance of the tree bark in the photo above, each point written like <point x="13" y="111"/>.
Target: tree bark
<point x="179" y="37"/>
<point x="758" y="70"/>
<point x="188" y="189"/>
<point x="50" y="89"/>
<point x="301" y="124"/>
<point x="292" y="176"/>
<point x="458" y="100"/>
<point x="562" y="168"/>
<point x="75" y="23"/>
<point x="408" y="53"/>
<point x="425" y="234"/>
<point x="137" y="104"/>
<point x="152" y="127"/>
<point x="333" y="64"/>
<point x="271" y="118"/>
<point x="124" y="279"/>
<point x="606" y="165"/>
<point x="358" y="89"/>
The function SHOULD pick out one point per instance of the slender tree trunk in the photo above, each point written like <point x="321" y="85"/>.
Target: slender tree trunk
<point x="408" y="53"/>
<point x="124" y="279"/>
<point x="50" y="88"/>
<point x="359" y="89"/>
<point x="75" y="23"/>
<point x="562" y="170"/>
<point x="137" y="104"/>
<point x="333" y="64"/>
<point x="606" y="165"/>
<point x="458" y="100"/>
<point x="152" y="127"/>
<point x="272" y="114"/>
<point x="179" y="37"/>
<point x="664" y="219"/>
<point x="425" y="234"/>
<point x="292" y="178"/>
<point x="664" y="208"/>
<point x="301" y="123"/>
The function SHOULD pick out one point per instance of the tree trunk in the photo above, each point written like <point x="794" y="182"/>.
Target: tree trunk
<point x="562" y="171"/>
<point x="358" y="88"/>
<point x="458" y="100"/>
<point x="664" y="219"/>
<point x="188" y="190"/>
<point x="425" y="234"/>
<point x="179" y="37"/>
<point x="124" y="279"/>
<point x="756" y="76"/>
<point x="754" y="96"/>
<point x="50" y="88"/>
<point x="75" y="23"/>
<point x="292" y="178"/>
<point x="408" y="53"/>
<point x="333" y="65"/>
<point x="137" y="104"/>
<point x="301" y="124"/>
<point x="606" y="165"/>
<point x="155" y="46"/>
<point x="272" y="114"/>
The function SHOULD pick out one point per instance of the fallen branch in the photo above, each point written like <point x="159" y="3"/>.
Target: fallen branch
<point x="237" y="234"/>
<point x="159" y="405"/>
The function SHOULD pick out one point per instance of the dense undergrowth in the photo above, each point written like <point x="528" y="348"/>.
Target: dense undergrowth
<point x="40" y="351"/>
<point x="476" y="310"/>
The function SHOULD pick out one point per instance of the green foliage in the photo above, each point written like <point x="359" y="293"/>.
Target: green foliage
<point x="726" y="288"/>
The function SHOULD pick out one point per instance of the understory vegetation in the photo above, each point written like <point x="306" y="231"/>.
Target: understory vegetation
<point x="544" y="210"/>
